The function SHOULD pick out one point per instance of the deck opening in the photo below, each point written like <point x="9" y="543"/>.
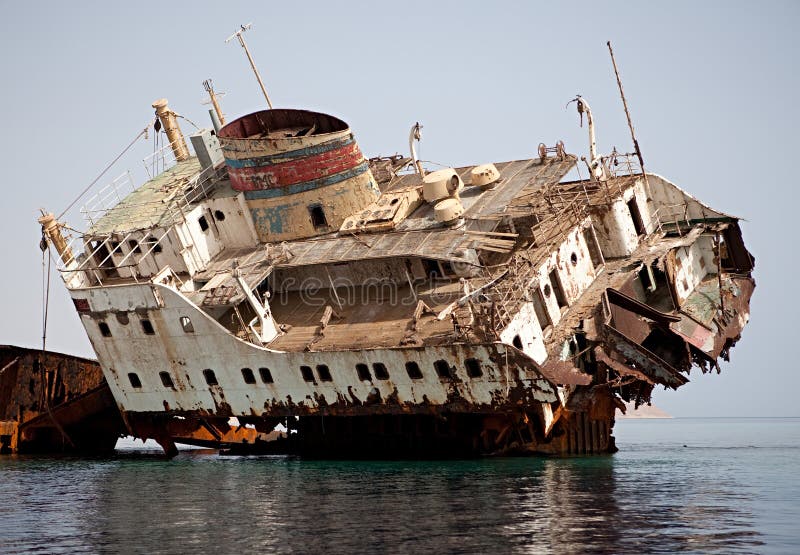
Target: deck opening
<point x="210" y="376"/>
<point x="363" y="372"/>
<point x="266" y="375"/>
<point x="248" y="376"/>
<point x="473" y="366"/>
<point x="133" y="377"/>
<point x="166" y="380"/>
<point x="324" y="373"/>
<point x="105" y="331"/>
<point x="413" y="370"/>
<point x="308" y="374"/>
<point x="380" y="370"/>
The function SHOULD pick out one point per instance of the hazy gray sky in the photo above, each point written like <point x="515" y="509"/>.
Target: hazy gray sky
<point x="711" y="86"/>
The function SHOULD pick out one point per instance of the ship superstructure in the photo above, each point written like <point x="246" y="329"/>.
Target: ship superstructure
<point x="277" y="276"/>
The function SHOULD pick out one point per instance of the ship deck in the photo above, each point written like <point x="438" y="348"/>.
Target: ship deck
<point x="363" y="317"/>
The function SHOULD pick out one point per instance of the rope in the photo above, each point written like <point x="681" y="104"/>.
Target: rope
<point x="108" y="167"/>
<point x="42" y="375"/>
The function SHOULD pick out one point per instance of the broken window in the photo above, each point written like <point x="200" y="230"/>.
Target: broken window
<point x="636" y="216"/>
<point x="147" y="327"/>
<point x="380" y="370"/>
<point x="308" y="374"/>
<point x="317" y="216"/>
<point x="248" y="376"/>
<point x="442" y="368"/>
<point x="413" y="370"/>
<point x="324" y="373"/>
<point x="105" y="331"/>
<point x="166" y="380"/>
<point x="133" y="377"/>
<point x="210" y="376"/>
<point x="363" y="372"/>
<point x="266" y="375"/>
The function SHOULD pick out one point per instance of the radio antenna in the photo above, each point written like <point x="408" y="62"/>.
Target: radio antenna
<point x="238" y="35"/>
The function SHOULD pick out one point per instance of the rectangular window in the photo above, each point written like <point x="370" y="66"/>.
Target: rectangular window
<point x="363" y="372"/>
<point x="324" y="373"/>
<point x="211" y="378"/>
<point x="135" y="381"/>
<point x="166" y="380"/>
<point x="380" y="370"/>
<point x="308" y="374"/>
<point x="248" y="376"/>
<point x="266" y="375"/>
<point x="636" y="216"/>
<point x="413" y="370"/>
<point x="555" y="281"/>
<point x="147" y="327"/>
<point x="473" y="366"/>
<point x="442" y="368"/>
<point x="105" y="331"/>
<point x="317" y="216"/>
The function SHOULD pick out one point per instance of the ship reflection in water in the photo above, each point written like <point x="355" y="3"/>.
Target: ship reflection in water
<point x="661" y="497"/>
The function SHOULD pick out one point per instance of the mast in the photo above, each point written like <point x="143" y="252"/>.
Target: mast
<point x="625" y="105"/>
<point x="238" y="35"/>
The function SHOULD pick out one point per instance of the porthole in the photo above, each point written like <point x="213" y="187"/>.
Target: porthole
<point x="219" y="215"/>
<point x="547" y="290"/>
<point x="574" y="259"/>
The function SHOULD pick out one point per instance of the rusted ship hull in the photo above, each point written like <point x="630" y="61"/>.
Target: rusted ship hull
<point x="51" y="402"/>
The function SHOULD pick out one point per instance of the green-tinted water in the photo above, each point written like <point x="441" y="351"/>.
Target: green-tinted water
<point x="691" y="485"/>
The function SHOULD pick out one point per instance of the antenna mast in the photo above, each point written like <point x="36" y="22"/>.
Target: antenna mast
<point x="625" y="105"/>
<point x="209" y="87"/>
<point x="238" y="35"/>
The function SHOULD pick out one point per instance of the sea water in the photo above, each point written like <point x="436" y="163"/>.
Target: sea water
<point x="725" y="485"/>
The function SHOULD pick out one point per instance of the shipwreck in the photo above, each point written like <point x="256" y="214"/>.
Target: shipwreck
<point x="269" y="274"/>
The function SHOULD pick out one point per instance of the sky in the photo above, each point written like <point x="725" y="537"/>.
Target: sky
<point x="710" y="87"/>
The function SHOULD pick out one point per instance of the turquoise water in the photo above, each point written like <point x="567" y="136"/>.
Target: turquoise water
<point x="682" y="485"/>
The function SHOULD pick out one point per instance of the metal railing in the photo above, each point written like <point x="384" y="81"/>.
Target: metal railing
<point x="107" y="197"/>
